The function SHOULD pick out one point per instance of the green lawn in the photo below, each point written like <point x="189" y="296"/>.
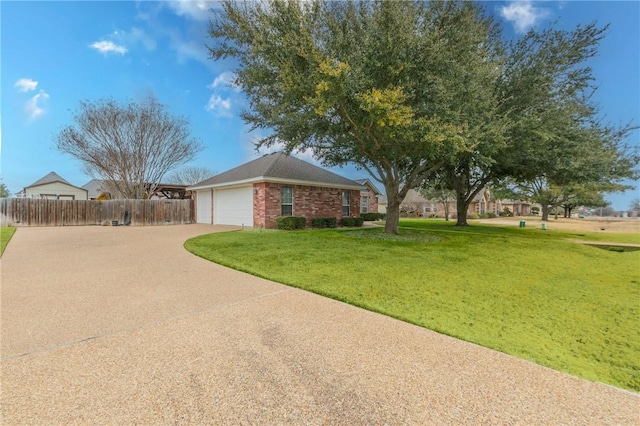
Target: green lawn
<point x="526" y="292"/>
<point x="5" y="236"/>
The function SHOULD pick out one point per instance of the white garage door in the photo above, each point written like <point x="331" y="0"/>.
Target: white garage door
<point x="203" y="203"/>
<point x="234" y="206"/>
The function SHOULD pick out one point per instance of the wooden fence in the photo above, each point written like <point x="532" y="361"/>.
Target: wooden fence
<point x="42" y="212"/>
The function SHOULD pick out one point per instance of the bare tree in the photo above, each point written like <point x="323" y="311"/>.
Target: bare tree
<point x="132" y="146"/>
<point x="191" y="175"/>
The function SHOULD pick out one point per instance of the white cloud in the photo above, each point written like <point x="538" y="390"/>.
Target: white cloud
<point x="34" y="107"/>
<point x="136" y="35"/>
<point x="25" y="85"/>
<point x="219" y="106"/>
<point x="105" y="47"/>
<point x="225" y="80"/>
<point x="194" y="9"/>
<point x="523" y="14"/>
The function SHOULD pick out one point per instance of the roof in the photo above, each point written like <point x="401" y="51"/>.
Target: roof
<point x="50" y="178"/>
<point x="277" y="167"/>
<point x="363" y="182"/>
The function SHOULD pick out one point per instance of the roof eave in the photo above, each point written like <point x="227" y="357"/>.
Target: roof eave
<point x="259" y="179"/>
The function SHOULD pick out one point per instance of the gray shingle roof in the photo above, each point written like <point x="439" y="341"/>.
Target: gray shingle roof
<point x="50" y="178"/>
<point x="278" y="166"/>
<point x="363" y="182"/>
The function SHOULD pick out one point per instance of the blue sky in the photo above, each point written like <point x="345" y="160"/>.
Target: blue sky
<point x="56" y="53"/>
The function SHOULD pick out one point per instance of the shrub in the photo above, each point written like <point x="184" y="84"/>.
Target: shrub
<point x="324" y="222"/>
<point x="291" y="222"/>
<point x="506" y="212"/>
<point x="352" y="221"/>
<point x="371" y="216"/>
<point x="473" y="216"/>
<point x="535" y="210"/>
<point x="491" y="215"/>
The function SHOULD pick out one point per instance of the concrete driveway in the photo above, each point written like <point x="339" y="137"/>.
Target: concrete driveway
<point x="121" y="325"/>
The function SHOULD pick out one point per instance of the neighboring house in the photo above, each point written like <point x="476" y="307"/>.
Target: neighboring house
<point x="256" y="193"/>
<point x="96" y="187"/>
<point x="482" y="203"/>
<point x="368" y="196"/>
<point x="53" y="187"/>
<point x="382" y="204"/>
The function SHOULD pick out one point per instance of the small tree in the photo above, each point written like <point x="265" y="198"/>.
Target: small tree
<point x="4" y="191"/>
<point x="131" y="146"/>
<point x="191" y="175"/>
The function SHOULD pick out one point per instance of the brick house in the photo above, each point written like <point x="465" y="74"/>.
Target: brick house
<point x="254" y="194"/>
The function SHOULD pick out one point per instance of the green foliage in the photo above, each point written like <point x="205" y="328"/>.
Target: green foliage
<point x="506" y="212"/>
<point x="291" y="222"/>
<point x="578" y="315"/>
<point x="324" y="222"/>
<point x="370" y="83"/>
<point x="372" y="216"/>
<point x="4" y="190"/>
<point x="352" y="221"/>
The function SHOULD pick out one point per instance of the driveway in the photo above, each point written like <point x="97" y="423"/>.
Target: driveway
<point x="121" y="325"/>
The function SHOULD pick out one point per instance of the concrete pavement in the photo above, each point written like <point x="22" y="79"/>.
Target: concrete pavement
<point x="121" y="325"/>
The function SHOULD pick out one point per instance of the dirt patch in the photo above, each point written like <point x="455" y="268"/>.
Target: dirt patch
<point x="613" y="225"/>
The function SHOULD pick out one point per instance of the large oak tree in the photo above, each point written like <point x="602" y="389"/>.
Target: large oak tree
<point x="381" y="84"/>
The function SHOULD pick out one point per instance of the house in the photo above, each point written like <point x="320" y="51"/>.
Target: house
<point x="254" y="194"/>
<point x="483" y="203"/>
<point x="53" y="187"/>
<point x="369" y="196"/>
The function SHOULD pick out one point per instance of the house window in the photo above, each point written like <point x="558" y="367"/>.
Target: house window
<point x="286" y="201"/>
<point x="483" y="208"/>
<point x="345" y="204"/>
<point x="427" y="208"/>
<point x="364" y="203"/>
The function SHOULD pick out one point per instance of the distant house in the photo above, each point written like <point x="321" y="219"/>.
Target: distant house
<point x="53" y="187"/>
<point x="483" y="203"/>
<point x="369" y="196"/>
<point x="254" y="194"/>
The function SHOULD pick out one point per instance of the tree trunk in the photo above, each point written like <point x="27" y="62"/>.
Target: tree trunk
<point x="393" y="216"/>
<point x="462" y="206"/>
<point x="446" y="210"/>
<point x="545" y="212"/>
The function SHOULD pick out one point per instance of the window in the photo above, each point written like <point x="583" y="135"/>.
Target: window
<point x="345" y="204"/>
<point x="364" y="203"/>
<point x="286" y="201"/>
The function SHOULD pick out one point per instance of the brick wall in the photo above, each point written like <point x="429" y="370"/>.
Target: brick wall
<point x="308" y="201"/>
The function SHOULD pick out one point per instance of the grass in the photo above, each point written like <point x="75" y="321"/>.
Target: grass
<point x="5" y="236"/>
<point x="526" y="292"/>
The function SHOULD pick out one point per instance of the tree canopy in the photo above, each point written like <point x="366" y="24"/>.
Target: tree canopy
<point x="369" y="83"/>
<point x="130" y="146"/>
<point x="421" y="94"/>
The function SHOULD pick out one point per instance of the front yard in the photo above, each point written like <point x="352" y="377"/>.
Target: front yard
<point x="527" y="292"/>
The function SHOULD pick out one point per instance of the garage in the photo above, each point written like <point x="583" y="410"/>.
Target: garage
<point x="203" y="206"/>
<point x="233" y="206"/>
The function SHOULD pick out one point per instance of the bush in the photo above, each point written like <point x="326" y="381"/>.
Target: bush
<point x="324" y="222"/>
<point x="352" y="221"/>
<point x="291" y="222"/>
<point x="506" y="212"/>
<point x="473" y="216"/>
<point x="491" y="215"/>
<point x="371" y="216"/>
